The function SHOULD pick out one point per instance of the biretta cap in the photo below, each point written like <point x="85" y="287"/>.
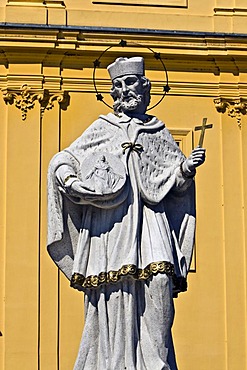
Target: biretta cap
<point x="126" y="66"/>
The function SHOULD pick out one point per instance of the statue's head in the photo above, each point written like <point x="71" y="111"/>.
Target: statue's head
<point x="130" y="88"/>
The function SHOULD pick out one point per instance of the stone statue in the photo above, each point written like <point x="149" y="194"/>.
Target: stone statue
<point x="121" y="227"/>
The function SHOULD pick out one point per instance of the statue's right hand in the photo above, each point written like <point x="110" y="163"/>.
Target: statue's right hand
<point x="78" y="189"/>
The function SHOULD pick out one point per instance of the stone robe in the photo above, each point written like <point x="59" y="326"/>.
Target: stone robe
<point x="126" y="241"/>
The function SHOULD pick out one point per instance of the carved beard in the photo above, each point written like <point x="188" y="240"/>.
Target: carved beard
<point x="127" y="103"/>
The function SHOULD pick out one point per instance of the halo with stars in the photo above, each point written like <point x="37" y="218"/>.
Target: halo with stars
<point x="124" y="44"/>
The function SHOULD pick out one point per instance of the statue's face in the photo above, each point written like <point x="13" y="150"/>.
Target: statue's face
<point x="128" y="94"/>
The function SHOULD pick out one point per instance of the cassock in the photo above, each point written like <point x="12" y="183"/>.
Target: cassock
<point x="126" y="241"/>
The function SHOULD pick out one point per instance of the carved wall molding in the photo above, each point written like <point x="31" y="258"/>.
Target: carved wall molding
<point x="40" y="3"/>
<point x="25" y="98"/>
<point x="235" y="108"/>
<point x="230" y="11"/>
<point x="78" y="49"/>
<point x="154" y="3"/>
<point x="210" y="86"/>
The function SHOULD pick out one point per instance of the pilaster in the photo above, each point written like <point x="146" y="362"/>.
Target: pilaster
<point x="234" y="218"/>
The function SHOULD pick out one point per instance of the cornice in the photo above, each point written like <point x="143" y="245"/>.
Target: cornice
<point x="78" y="49"/>
<point x="118" y="30"/>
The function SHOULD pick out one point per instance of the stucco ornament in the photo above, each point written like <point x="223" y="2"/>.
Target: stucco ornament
<point x="121" y="227"/>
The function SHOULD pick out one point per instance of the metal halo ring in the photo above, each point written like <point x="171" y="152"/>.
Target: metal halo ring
<point x="123" y="43"/>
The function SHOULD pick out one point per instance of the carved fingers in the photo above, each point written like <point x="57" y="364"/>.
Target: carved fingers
<point x="198" y="156"/>
<point x="78" y="189"/>
<point x="196" y="159"/>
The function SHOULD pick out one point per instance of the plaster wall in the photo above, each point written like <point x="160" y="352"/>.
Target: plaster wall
<point x="41" y="317"/>
<point x="186" y="15"/>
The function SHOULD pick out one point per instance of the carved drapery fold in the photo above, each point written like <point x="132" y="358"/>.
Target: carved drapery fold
<point x="235" y="108"/>
<point x="25" y="98"/>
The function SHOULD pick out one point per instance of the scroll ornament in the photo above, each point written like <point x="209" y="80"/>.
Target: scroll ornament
<point x="235" y="108"/>
<point x="25" y="98"/>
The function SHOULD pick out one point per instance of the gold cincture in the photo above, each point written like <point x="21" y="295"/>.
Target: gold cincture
<point x="93" y="281"/>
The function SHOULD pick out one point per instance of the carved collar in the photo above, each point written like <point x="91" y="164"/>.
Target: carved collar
<point x="123" y="118"/>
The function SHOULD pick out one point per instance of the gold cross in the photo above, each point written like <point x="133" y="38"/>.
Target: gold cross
<point x="203" y="128"/>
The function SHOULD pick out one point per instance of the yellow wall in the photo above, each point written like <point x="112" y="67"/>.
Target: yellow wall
<point x="211" y="15"/>
<point x="41" y="317"/>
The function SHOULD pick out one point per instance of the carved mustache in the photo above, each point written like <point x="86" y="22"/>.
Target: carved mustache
<point x="127" y="102"/>
<point x="130" y="94"/>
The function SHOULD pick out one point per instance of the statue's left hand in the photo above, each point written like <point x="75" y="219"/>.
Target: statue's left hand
<point x="195" y="159"/>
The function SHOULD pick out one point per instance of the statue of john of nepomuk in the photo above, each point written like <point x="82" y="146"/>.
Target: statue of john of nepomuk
<point x="121" y="227"/>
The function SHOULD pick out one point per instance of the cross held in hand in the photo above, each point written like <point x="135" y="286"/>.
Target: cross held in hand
<point x="203" y="128"/>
